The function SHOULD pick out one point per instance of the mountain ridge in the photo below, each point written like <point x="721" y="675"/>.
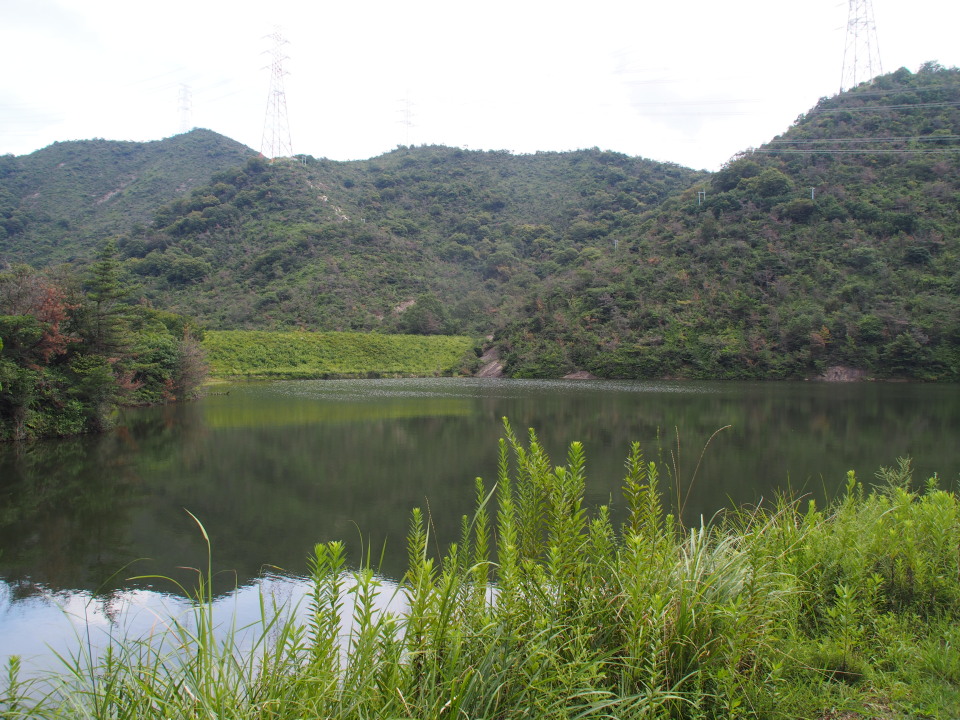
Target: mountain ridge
<point x="834" y="244"/>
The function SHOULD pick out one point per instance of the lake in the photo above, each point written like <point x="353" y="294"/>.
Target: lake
<point x="272" y="468"/>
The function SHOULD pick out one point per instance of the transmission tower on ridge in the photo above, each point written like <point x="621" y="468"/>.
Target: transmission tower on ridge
<point x="185" y="106"/>
<point x="276" y="128"/>
<point x="861" y="53"/>
<point x="406" y="117"/>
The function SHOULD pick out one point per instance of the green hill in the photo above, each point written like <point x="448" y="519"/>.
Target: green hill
<point x="834" y="244"/>
<point x="58" y="203"/>
<point x="425" y="240"/>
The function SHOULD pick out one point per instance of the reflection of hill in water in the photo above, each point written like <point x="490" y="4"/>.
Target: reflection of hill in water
<point x="273" y="468"/>
<point x="250" y="412"/>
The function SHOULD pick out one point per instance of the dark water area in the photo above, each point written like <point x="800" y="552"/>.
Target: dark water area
<point x="270" y="469"/>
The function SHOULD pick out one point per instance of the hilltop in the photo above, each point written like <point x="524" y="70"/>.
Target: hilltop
<point x="60" y="202"/>
<point x="834" y="244"/>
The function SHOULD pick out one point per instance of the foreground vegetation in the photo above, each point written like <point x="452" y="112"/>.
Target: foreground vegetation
<point x="250" y="353"/>
<point x="544" y="609"/>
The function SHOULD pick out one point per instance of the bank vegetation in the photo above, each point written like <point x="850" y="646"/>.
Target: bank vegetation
<point x="74" y="347"/>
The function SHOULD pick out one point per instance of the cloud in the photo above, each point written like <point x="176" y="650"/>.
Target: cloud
<point x="692" y="83"/>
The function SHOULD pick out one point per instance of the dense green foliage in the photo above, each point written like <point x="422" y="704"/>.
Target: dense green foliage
<point x="249" y="353"/>
<point x="58" y="203"/>
<point x="73" y="349"/>
<point x="546" y="609"/>
<point x="425" y="240"/>
<point x="834" y="245"/>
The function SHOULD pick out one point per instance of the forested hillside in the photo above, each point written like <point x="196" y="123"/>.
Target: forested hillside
<point x="834" y="244"/>
<point x="61" y="202"/>
<point x="425" y="240"/>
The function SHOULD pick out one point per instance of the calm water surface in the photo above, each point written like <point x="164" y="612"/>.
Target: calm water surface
<point x="270" y="469"/>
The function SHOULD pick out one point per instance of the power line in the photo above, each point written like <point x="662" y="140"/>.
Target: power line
<point x="906" y="138"/>
<point x="861" y="108"/>
<point x="860" y="151"/>
<point x="919" y="90"/>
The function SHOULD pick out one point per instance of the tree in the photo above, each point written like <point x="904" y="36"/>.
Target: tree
<point x="770" y="182"/>
<point x="53" y="383"/>
<point x="107" y="317"/>
<point x="730" y="175"/>
<point x="33" y="315"/>
<point x="905" y="357"/>
<point x="427" y="316"/>
<point x="800" y="210"/>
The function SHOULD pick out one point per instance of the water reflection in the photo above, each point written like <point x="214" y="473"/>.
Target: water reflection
<point x="272" y="468"/>
<point x="80" y="624"/>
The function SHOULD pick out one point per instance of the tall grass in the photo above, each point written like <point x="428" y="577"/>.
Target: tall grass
<point x="545" y="609"/>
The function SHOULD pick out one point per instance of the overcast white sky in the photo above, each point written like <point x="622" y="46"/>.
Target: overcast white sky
<point x="690" y="82"/>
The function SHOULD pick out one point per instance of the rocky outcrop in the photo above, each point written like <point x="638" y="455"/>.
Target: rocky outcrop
<point x="580" y="375"/>
<point x="490" y="365"/>
<point x="839" y="373"/>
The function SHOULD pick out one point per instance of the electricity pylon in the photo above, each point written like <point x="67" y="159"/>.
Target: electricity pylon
<point x="276" y="127"/>
<point x="185" y="106"/>
<point x="861" y="53"/>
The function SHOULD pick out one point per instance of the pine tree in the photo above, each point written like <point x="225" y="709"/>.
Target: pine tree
<point x="108" y="317"/>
